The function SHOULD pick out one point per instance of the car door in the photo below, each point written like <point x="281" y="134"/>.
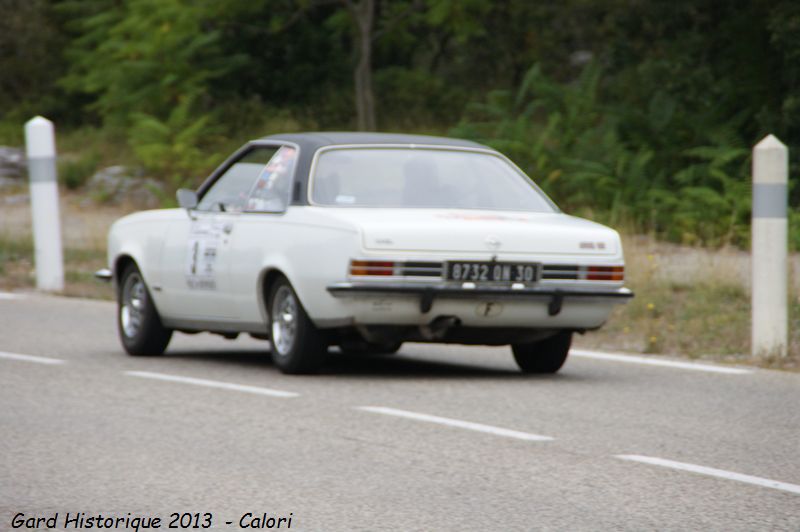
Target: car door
<point x="258" y="230"/>
<point x="199" y="251"/>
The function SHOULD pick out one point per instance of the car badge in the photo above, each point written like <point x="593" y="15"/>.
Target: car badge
<point x="492" y="242"/>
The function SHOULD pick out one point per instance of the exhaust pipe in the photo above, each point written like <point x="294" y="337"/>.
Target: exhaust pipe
<point x="437" y="329"/>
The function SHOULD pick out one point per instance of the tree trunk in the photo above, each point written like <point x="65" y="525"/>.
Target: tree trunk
<point x="364" y="14"/>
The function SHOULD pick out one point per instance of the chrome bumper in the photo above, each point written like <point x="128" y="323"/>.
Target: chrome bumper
<point x="427" y="293"/>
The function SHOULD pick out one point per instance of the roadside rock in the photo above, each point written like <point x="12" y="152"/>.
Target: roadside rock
<point x="9" y="182"/>
<point x="12" y="162"/>
<point x="16" y="199"/>
<point x="120" y="184"/>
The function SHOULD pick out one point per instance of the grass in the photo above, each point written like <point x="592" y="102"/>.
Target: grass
<point x="17" y="268"/>
<point x="690" y="302"/>
<point x="12" y="249"/>
<point x="84" y="228"/>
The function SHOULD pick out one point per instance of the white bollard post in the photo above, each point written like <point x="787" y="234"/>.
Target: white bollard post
<point x="40" y="147"/>
<point x="769" y="247"/>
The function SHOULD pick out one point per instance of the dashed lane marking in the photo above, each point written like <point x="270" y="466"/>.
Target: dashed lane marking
<point x="212" y="384"/>
<point x="478" y="427"/>
<point x="30" y="358"/>
<point x="633" y="359"/>
<point x="10" y="296"/>
<point x="710" y="471"/>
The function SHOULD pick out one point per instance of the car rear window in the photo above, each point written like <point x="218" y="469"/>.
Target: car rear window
<point x="422" y="178"/>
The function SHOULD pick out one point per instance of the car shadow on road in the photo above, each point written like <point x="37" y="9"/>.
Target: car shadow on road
<point x="388" y="367"/>
<point x="400" y="365"/>
<point x="243" y="357"/>
<point x="415" y="366"/>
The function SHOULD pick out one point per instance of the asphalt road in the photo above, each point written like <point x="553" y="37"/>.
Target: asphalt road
<point x="435" y="438"/>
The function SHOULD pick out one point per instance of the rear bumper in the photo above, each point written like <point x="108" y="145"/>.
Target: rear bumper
<point x="427" y="294"/>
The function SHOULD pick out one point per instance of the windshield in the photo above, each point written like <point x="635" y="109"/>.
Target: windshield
<point x="422" y="178"/>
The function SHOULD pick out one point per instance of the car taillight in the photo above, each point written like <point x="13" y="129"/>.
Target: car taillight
<point x="605" y="273"/>
<point x="371" y="267"/>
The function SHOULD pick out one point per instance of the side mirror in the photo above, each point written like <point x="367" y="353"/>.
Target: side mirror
<point x="187" y="199"/>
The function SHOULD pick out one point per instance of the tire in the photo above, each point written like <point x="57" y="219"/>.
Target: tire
<point x="138" y="323"/>
<point x="368" y="348"/>
<point x="298" y="347"/>
<point x="544" y="356"/>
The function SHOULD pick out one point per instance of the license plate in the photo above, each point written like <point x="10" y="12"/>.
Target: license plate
<point x="493" y="272"/>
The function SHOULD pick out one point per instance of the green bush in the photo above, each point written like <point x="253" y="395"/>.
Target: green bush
<point x="599" y="157"/>
<point x="175" y="149"/>
<point x="75" y="173"/>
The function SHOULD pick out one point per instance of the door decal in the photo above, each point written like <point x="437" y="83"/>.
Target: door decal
<point x="201" y="257"/>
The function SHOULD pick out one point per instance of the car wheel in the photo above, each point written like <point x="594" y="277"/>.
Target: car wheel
<point x="370" y="348"/>
<point x="297" y="345"/>
<point x="544" y="356"/>
<point x="138" y="322"/>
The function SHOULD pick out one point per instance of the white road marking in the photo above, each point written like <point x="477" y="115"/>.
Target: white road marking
<point x="31" y="358"/>
<point x="710" y="471"/>
<point x="11" y="295"/>
<point x="456" y="423"/>
<point x="212" y="384"/>
<point x="633" y="359"/>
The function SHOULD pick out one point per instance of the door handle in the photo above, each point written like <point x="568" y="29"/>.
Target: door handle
<point x="227" y="228"/>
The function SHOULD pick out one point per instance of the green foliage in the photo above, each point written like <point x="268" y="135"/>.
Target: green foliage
<point x="600" y="158"/>
<point x="75" y="173"/>
<point x="174" y="148"/>
<point x="463" y="18"/>
<point x="635" y="113"/>
<point x="412" y="97"/>
<point x="143" y="56"/>
<point x="11" y="133"/>
<point x="794" y="229"/>
<point x="14" y="249"/>
<point x="29" y="58"/>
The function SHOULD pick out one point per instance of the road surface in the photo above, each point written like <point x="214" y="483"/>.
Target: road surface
<point x="435" y="438"/>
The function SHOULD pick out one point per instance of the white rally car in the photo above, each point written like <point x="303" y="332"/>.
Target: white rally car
<point x="365" y="241"/>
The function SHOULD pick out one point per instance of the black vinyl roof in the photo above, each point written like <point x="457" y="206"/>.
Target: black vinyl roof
<point x="310" y="143"/>
<point x="314" y="141"/>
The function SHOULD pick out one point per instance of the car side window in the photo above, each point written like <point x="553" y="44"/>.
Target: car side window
<point x="230" y="192"/>
<point x="271" y="191"/>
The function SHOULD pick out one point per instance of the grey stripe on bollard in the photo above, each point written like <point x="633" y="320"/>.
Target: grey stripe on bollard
<point x="42" y="170"/>
<point x="770" y="200"/>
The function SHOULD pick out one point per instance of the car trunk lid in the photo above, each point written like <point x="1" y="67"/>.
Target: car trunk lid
<point x="452" y="230"/>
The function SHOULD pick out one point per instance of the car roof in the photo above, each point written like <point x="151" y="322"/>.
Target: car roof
<point x="309" y="143"/>
<point x="312" y="141"/>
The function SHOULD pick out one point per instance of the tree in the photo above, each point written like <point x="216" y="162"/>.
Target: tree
<point x="29" y="53"/>
<point x="363" y="14"/>
<point x="366" y="23"/>
<point x="144" y="56"/>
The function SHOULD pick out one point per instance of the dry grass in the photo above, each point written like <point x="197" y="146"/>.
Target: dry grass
<point x="691" y="302"/>
<point x="84" y="229"/>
